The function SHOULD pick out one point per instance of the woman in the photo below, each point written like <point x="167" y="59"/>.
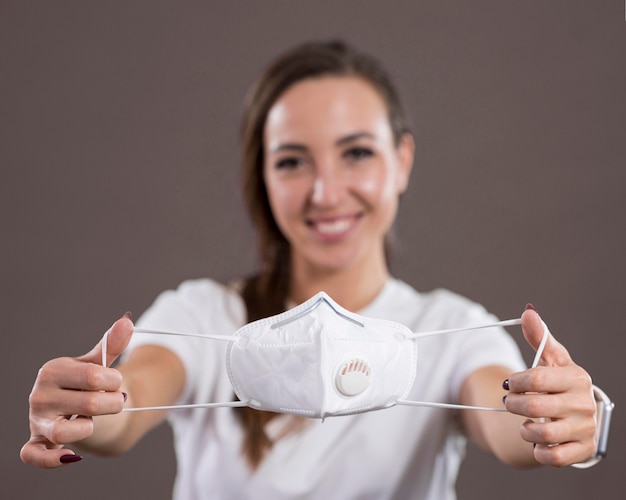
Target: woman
<point x="327" y="152"/>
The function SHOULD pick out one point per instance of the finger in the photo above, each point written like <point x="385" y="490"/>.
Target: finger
<point x="64" y="430"/>
<point x="548" y="379"/>
<point x="118" y="337"/>
<point x="60" y="403"/>
<point x="36" y="453"/>
<point x="538" y="405"/>
<point x="69" y="373"/>
<point x="554" y="353"/>
<point x="562" y="455"/>
<point x="558" y="431"/>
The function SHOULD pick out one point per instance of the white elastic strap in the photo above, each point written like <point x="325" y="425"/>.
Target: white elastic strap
<point x="105" y="338"/>
<point x="231" y="404"/>
<point x="407" y="402"/>
<point x="227" y="338"/>
<point x="508" y="322"/>
<point x="542" y="345"/>
<point x="105" y="342"/>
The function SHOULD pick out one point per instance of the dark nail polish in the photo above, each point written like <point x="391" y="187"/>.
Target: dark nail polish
<point x="505" y="385"/>
<point x="125" y="396"/>
<point x="128" y="315"/>
<point x="534" y="445"/>
<point x="504" y="399"/>
<point x="70" y="459"/>
<point x="531" y="307"/>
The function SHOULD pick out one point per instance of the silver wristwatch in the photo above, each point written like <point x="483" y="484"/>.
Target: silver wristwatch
<point x="604" y="410"/>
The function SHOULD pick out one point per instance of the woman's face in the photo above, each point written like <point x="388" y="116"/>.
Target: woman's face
<point x="333" y="172"/>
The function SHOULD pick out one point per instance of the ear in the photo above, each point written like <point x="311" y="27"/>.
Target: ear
<point x="406" y="154"/>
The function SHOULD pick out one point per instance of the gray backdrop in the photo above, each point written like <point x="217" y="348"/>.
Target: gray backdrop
<point x="120" y="179"/>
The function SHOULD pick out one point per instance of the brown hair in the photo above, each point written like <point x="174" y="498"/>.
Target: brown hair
<point x="265" y="293"/>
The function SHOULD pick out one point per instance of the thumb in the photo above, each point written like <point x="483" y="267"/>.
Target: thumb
<point x="116" y="338"/>
<point x="554" y="353"/>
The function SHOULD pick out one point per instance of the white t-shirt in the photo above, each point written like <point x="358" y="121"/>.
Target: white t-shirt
<point x="395" y="453"/>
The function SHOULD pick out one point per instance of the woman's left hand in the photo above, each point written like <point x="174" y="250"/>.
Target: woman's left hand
<point x="558" y="395"/>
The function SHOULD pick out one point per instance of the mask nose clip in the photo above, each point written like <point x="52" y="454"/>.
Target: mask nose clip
<point x="353" y="376"/>
<point x="322" y="299"/>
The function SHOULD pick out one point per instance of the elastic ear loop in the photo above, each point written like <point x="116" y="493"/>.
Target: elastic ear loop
<point x="232" y="404"/>
<point x="510" y="322"/>
<point x="405" y="402"/>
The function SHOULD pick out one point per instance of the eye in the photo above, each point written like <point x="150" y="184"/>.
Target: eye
<point x="289" y="163"/>
<point x="359" y="153"/>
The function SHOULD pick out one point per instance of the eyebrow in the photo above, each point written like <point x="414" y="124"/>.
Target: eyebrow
<point x="290" y="146"/>
<point x="354" y="137"/>
<point x="293" y="146"/>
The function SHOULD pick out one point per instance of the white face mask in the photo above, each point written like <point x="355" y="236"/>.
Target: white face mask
<point x="319" y="359"/>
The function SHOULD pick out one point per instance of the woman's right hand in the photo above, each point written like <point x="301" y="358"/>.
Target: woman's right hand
<point x="67" y="393"/>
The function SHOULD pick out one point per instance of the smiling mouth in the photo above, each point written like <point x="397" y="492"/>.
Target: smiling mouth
<point x="333" y="227"/>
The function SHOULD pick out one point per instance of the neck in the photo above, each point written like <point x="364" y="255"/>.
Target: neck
<point x="352" y="288"/>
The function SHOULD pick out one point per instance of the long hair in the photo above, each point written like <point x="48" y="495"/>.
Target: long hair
<point x="266" y="292"/>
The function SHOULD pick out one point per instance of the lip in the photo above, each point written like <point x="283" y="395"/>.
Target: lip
<point x="333" y="229"/>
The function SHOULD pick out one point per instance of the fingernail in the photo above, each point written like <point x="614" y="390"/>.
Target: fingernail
<point x="531" y="307"/>
<point x="534" y="445"/>
<point x="128" y="315"/>
<point x="505" y="385"/>
<point x="70" y="459"/>
<point x="504" y="399"/>
<point x="125" y="396"/>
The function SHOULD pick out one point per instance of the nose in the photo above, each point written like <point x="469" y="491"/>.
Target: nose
<point x="327" y="187"/>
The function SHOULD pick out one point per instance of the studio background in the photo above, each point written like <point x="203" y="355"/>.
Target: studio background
<point x="119" y="179"/>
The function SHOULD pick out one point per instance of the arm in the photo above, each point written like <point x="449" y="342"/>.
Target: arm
<point x="498" y="433"/>
<point x="82" y="386"/>
<point x="557" y="394"/>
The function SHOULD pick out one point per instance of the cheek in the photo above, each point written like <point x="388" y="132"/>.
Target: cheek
<point x="370" y="185"/>
<point x="379" y="184"/>
<point x="284" y="197"/>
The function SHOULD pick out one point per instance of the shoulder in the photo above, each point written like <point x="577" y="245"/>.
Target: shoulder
<point x="437" y="308"/>
<point x="203" y="291"/>
<point x="456" y="308"/>
<point x="200" y="301"/>
<point x="200" y="289"/>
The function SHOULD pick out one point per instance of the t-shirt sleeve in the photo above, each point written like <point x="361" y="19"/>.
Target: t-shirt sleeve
<point x="197" y="307"/>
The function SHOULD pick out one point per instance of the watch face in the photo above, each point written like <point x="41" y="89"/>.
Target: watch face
<point x="605" y="410"/>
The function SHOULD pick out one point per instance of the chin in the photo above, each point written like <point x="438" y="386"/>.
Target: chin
<point x="337" y="261"/>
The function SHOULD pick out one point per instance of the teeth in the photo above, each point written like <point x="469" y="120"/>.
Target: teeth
<point x="334" y="227"/>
